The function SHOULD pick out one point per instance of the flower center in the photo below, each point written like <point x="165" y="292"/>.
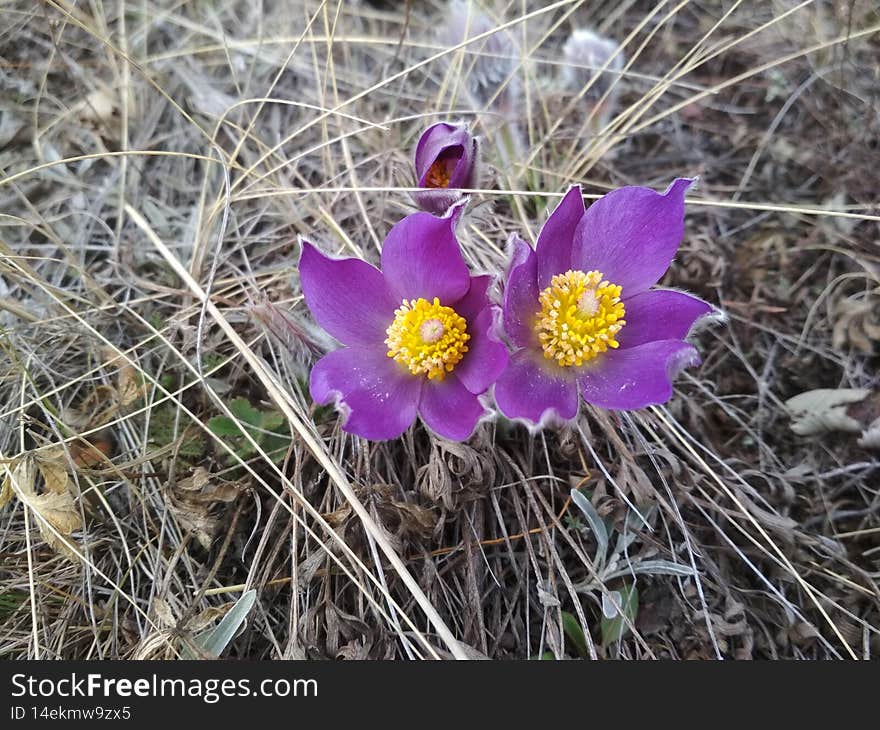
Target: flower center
<point x="580" y="315"/>
<point x="437" y="175"/>
<point x="427" y="337"/>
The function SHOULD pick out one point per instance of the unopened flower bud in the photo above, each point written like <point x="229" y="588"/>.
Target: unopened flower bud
<point x="446" y="160"/>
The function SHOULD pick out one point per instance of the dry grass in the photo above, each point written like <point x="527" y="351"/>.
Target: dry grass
<point x="158" y="161"/>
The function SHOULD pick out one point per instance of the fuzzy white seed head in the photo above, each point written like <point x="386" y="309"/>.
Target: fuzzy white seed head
<point x="490" y="68"/>
<point x="586" y="54"/>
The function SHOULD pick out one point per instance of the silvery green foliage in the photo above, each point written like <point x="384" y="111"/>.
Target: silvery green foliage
<point x="214" y="641"/>
<point x="586" y="53"/>
<point x="490" y="67"/>
<point x="616" y="562"/>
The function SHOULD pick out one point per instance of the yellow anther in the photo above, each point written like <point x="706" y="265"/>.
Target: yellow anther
<point x="427" y="337"/>
<point x="580" y="315"/>
<point x="438" y="175"/>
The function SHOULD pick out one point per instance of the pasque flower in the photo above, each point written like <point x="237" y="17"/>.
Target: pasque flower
<point x="419" y="335"/>
<point x="446" y="159"/>
<point x="581" y="312"/>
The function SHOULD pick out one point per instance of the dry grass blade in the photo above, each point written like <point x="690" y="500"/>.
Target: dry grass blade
<point x="282" y="399"/>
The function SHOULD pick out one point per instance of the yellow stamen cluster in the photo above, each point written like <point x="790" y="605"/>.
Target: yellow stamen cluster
<point x="427" y="337"/>
<point x="437" y="175"/>
<point x="580" y="315"/>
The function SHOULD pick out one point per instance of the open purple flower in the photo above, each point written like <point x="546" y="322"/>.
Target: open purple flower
<point x="447" y="158"/>
<point x="419" y="335"/>
<point x="581" y="311"/>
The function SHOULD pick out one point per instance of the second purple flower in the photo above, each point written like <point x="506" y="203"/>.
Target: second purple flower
<point x="581" y="312"/>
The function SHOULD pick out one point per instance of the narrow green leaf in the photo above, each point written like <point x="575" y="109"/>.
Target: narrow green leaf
<point x="652" y="567"/>
<point x="574" y="632"/>
<point x="596" y="523"/>
<point x="614" y="629"/>
<point x="214" y="641"/>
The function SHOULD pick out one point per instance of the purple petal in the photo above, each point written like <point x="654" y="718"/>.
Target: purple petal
<point x="347" y="297"/>
<point x="421" y="258"/>
<point x="466" y="172"/>
<point x="554" y="246"/>
<point x="521" y="294"/>
<point x="660" y="314"/>
<point x="449" y="409"/>
<point x="631" y="235"/>
<point x="532" y="388"/>
<point x="379" y="396"/>
<point x="476" y="300"/>
<point x="486" y="357"/>
<point x="636" y="377"/>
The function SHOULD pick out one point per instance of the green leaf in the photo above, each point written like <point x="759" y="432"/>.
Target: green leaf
<point x="212" y="361"/>
<point x="223" y="426"/>
<point x="244" y="411"/>
<point x="10" y="603"/>
<point x="215" y="640"/>
<point x="599" y="529"/>
<point x="275" y="445"/>
<point x="245" y="449"/>
<point x="574" y="632"/>
<point x="546" y="656"/>
<point x="272" y="420"/>
<point x="614" y="628"/>
<point x="267" y="428"/>
<point x="163" y="433"/>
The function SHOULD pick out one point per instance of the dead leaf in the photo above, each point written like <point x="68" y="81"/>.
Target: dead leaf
<point x="856" y="323"/>
<point x="818" y="411"/>
<point x="455" y="471"/>
<point x="60" y="512"/>
<point x="93" y="451"/>
<point x="55" y="508"/>
<point x="52" y="464"/>
<point x="106" y="402"/>
<point x="129" y="386"/>
<point x="399" y="521"/>
<point x="165" y="617"/>
<point x="98" y="408"/>
<point x="632" y="479"/>
<point x="194" y="502"/>
<point x="870" y="439"/>
<point x="5" y="491"/>
<point x="208" y="617"/>
<point x="98" y="107"/>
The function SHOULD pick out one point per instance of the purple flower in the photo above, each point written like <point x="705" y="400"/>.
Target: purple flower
<point x="419" y="335"/>
<point x="580" y="310"/>
<point x="447" y="158"/>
